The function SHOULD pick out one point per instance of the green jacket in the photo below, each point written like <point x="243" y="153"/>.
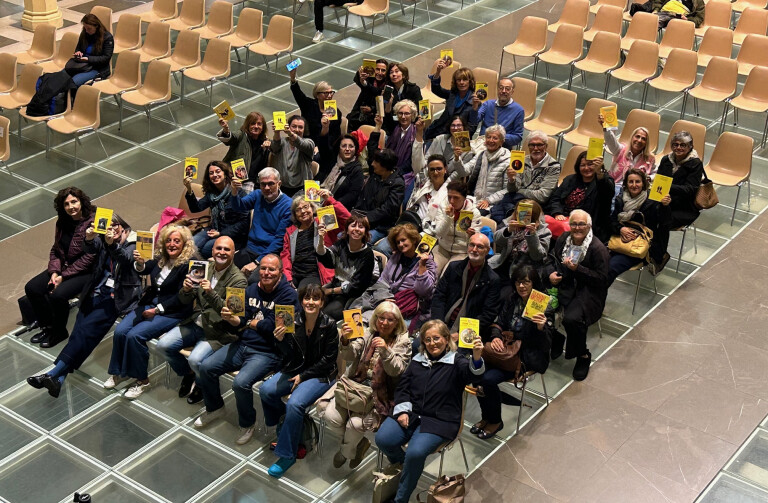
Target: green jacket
<point x="696" y="16"/>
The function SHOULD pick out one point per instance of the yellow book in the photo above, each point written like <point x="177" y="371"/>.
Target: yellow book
<point x="327" y="215"/>
<point x="610" y="116"/>
<point x="524" y="211"/>
<point x="224" y="111"/>
<point x="447" y="55"/>
<point x="517" y="160"/>
<point x="102" y="221"/>
<point x="330" y="109"/>
<point x="426" y="244"/>
<point x="469" y="328"/>
<point x="481" y="91"/>
<point x="424" y="110"/>
<point x="380" y="105"/>
<point x="235" y="301"/>
<point x="311" y="191"/>
<point x="595" y="148"/>
<point x="354" y="319"/>
<point x="239" y="172"/>
<point x="190" y="167"/>
<point x="145" y="244"/>
<point x="284" y="317"/>
<point x="198" y="270"/>
<point x="660" y="187"/>
<point x="461" y="139"/>
<point x="537" y="304"/>
<point x="465" y="220"/>
<point x="369" y="65"/>
<point x="279" y="120"/>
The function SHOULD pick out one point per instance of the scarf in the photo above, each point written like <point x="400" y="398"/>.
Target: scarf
<point x="584" y="246"/>
<point x="675" y="166"/>
<point x="330" y="181"/>
<point x="631" y="204"/>
<point x="402" y="144"/>
<point x="218" y="202"/>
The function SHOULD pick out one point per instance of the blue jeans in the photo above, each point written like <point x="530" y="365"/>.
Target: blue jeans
<point x="253" y="366"/>
<point x="204" y="243"/>
<point x="506" y="206"/>
<point x="130" y="354"/>
<point x="390" y="440"/>
<point x="82" y="78"/>
<point x="376" y="235"/>
<point x="185" y="336"/>
<point x="305" y="394"/>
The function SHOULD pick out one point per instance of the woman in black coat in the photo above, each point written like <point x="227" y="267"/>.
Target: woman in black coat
<point x="687" y="170"/>
<point x="93" y="53"/>
<point x="313" y="111"/>
<point x="342" y="172"/>
<point x="398" y="88"/>
<point x="458" y="100"/>
<point x="371" y="85"/>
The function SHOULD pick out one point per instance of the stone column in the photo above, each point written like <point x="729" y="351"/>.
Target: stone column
<point x="41" y="12"/>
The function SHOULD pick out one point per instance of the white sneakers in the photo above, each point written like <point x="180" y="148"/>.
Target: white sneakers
<point x="207" y="417"/>
<point x="113" y="381"/>
<point x="245" y="435"/>
<point x="136" y="390"/>
<point x="318" y="37"/>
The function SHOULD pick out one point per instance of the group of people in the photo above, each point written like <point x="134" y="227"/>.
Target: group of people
<point x="524" y="233"/>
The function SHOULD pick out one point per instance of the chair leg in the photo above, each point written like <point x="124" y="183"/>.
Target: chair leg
<point x="247" y="54"/>
<point x="426" y="4"/>
<point x="722" y="119"/>
<point x="464" y="454"/>
<point x="685" y="102"/>
<point x="535" y="67"/>
<point x="440" y="471"/>
<point x="379" y="460"/>
<point x="230" y="90"/>
<point x="544" y="386"/>
<point x="607" y="85"/>
<point x="736" y="204"/>
<point x="413" y="19"/>
<point x="238" y="56"/>
<point x="695" y="244"/>
<point x="522" y="404"/>
<point x="149" y="122"/>
<point x="570" y="77"/>
<point x="167" y="104"/>
<point x="18" y="128"/>
<point x="696" y="107"/>
<point x="680" y="255"/>
<point x="176" y="78"/>
<point x="181" y="95"/>
<point x="637" y="290"/>
<point x="765" y="132"/>
<point x="346" y="22"/>
<point x="98" y="136"/>
<point x="77" y="140"/>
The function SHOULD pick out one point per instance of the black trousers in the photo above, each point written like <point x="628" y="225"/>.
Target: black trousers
<point x="52" y="308"/>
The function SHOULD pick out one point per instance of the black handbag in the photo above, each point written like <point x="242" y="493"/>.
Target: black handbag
<point x="75" y="66"/>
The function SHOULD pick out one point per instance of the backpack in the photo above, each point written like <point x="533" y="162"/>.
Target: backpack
<point x="51" y="94"/>
<point x="309" y="432"/>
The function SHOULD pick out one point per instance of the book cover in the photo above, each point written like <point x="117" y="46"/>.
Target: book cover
<point x="380" y="105"/>
<point x="369" y="65"/>
<point x="481" y="91"/>
<point x="461" y="140"/>
<point x="595" y="148"/>
<point x="574" y="253"/>
<point x="224" y="111"/>
<point x="239" y="172"/>
<point x="327" y="215"/>
<point x="145" y="244"/>
<point x="465" y="220"/>
<point x="426" y="244"/>
<point x="235" y="301"/>
<point x="284" y="317"/>
<point x="279" y="120"/>
<point x="517" y="160"/>
<point x="537" y="304"/>
<point x="354" y="319"/>
<point x="190" y="167"/>
<point x="424" y="111"/>
<point x="330" y="109"/>
<point x="102" y="221"/>
<point x="447" y="56"/>
<point x="660" y="187"/>
<point x="198" y="270"/>
<point x="468" y="329"/>
<point x="524" y="211"/>
<point x="311" y="191"/>
<point x="610" y="116"/>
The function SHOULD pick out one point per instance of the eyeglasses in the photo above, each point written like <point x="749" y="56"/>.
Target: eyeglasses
<point x="403" y="114"/>
<point x="505" y="88"/>
<point x="579" y="225"/>
<point x="536" y="145"/>
<point x="387" y="319"/>
<point x="432" y="340"/>
<point x="524" y="282"/>
<point x="327" y="92"/>
<point x="433" y="170"/>
<point x="679" y="145"/>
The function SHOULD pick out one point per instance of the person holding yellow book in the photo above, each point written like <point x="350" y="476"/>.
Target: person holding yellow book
<point x="452" y="243"/>
<point x="685" y="168"/>
<point x="399" y="88"/>
<point x="313" y="111"/>
<point x="430" y="193"/>
<point x="340" y="170"/>
<point x="250" y="143"/>
<point x="293" y="154"/>
<point x="488" y="171"/>
<point x="371" y="84"/>
<point x="400" y="140"/>
<point x="442" y="144"/>
<point x="458" y="99"/>
<point x="502" y="110"/>
<point x="634" y="154"/>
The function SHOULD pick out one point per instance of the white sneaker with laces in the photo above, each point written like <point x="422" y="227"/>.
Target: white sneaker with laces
<point x="207" y="417"/>
<point x="113" y="381"/>
<point x="245" y="435"/>
<point x="136" y="390"/>
<point x="318" y="37"/>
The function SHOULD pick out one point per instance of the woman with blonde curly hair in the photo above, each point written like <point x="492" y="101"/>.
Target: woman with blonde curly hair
<point x="378" y="359"/>
<point x="158" y="311"/>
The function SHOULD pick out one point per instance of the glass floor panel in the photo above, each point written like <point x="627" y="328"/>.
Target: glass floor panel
<point x="251" y="486"/>
<point x="13" y="435"/>
<point x="114" y="490"/>
<point x="17" y="363"/>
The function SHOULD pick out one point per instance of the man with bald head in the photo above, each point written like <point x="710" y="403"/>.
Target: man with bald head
<point x="205" y="331"/>
<point x="469" y="289"/>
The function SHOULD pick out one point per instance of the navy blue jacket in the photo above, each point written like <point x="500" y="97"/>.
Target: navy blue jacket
<point x="261" y="305"/>
<point x="127" y="284"/>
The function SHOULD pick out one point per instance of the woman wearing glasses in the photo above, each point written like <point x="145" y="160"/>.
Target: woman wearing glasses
<point x="400" y="141"/>
<point x="313" y="111"/>
<point x="443" y="145"/>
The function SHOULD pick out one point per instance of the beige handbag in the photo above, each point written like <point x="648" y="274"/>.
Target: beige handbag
<point x="638" y="247"/>
<point x="385" y="483"/>
<point x="445" y="490"/>
<point x="353" y="396"/>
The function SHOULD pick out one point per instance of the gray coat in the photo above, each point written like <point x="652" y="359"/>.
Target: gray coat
<point x="538" y="246"/>
<point x="537" y="183"/>
<point x="293" y="164"/>
<point x="491" y="183"/>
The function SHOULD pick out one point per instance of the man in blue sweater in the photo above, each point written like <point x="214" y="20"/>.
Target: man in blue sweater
<point x="503" y="111"/>
<point x="254" y="354"/>
<point x="271" y="217"/>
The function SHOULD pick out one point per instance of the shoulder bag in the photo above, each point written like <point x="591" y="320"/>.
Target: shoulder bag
<point x="638" y="247"/>
<point x="509" y="358"/>
<point x="445" y="490"/>
<point x="353" y="396"/>
<point x="706" y="197"/>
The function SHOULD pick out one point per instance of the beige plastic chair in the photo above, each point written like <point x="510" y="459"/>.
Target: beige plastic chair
<point x="731" y="164"/>
<point x="5" y="148"/>
<point x="25" y="89"/>
<point x="43" y="46"/>
<point x="753" y="97"/>
<point x="743" y="5"/>
<point x="7" y="72"/>
<point x="157" y="42"/>
<point x="642" y="118"/>
<point x="162" y="10"/>
<point x="752" y="53"/>
<point x="279" y="39"/>
<point x="64" y="51"/>
<point x="551" y="147"/>
<point x="698" y="133"/>
<point x="445" y="76"/>
<point x="186" y="54"/>
<point x="155" y="89"/>
<point x="558" y="113"/>
<point x="604" y="55"/>
<point x="192" y="15"/>
<point x="530" y="42"/>
<point x="570" y="161"/>
<point x="371" y="9"/>
<point x="718" y="83"/>
<point x="127" y="33"/>
<point x="126" y="77"/>
<point x="84" y="116"/>
<point x="588" y="126"/>
<point x="644" y="26"/>
<point x="679" y="34"/>
<point x="490" y="77"/>
<point x="248" y="31"/>
<point x="607" y="20"/>
<point x="525" y="95"/>
<point x="716" y="14"/>
<point x="641" y="64"/>
<point x="594" y="9"/>
<point x="221" y="21"/>
<point x="716" y="42"/>
<point x="678" y="75"/>
<point x="44" y="118"/>
<point x="565" y="50"/>
<point x="575" y="12"/>
<point x="752" y="21"/>
<point x="216" y="66"/>
<point x="105" y="16"/>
